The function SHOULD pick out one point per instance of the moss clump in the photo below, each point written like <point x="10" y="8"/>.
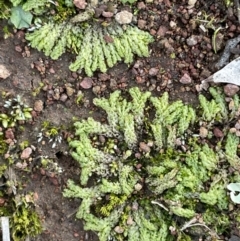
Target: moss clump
<point x="98" y="42"/>
<point x="5" y="7"/>
<point x="150" y="175"/>
<point x="93" y="51"/>
<point x="64" y="11"/>
<point x="25" y="222"/>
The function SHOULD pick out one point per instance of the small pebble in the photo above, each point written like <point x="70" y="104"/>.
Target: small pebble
<point x="153" y="71"/>
<point x="138" y="187"/>
<point x="162" y="31"/>
<point x="96" y="89"/>
<point x="69" y="90"/>
<point x="144" y="147"/>
<point x="26" y="153"/>
<point x="203" y="132"/>
<point x="86" y="83"/>
<point x="81" y="4"/>
<point x="186" y="79"/>
<point x="217" y="132"/>
<point x="142" y="23"/>
<point x="63" y="97"/>
<point x="124" y="17"/>
<point x="141" y="5"/>
<point x="18" y="48"/>
<point x="192" y="40"/>
<point x="119" y="229"/>
<point x="230" y="89"/>
<point x="107" y="14"/>
<point x="76" y="235"/>
<point x="9" y="134"/>
<point x="4" y="72"/>
<point x="130" y="221"/>
<point x="38" y="105"/>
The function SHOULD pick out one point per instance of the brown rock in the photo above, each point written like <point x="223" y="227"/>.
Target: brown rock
<point x="81" y="4"/>
<point x="232" y="28"/>
<point x="186" y="79"/>
<point x="74" y="75"/>
<point x="144" y="147"/>
<point x="18" y="48"/>
<point x="168" y="46"/>
<point x="86" y="83"/>
<point x="230" y="89"/>
<point x="153" y="71"/>
<point x="140" y="80"/>
<point x="26" y="153"/>
<point x="38" y="105"/>
<point x="139" y="165"/>
<point x="63" y="97"/>
<point x="162" y="31"/>
<point x="51" y="70"/>
<point x="142" y="23"/>
<point x="152" y="31"/>
<point x="141" y="5"/>
<point x="217" y="132"/>
<point x="107" y="14"/>
<point x="4" y="72"/>
<point x="9" y="134"/>
<point x="69" y="90"/>
<point x="20" y="35"/>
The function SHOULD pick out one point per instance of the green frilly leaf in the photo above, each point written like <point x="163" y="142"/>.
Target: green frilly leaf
<point x="20" y="18"/>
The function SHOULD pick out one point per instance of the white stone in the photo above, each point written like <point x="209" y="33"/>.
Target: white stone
<point x="124" y="17"/>
<point x="191" y="3"/>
